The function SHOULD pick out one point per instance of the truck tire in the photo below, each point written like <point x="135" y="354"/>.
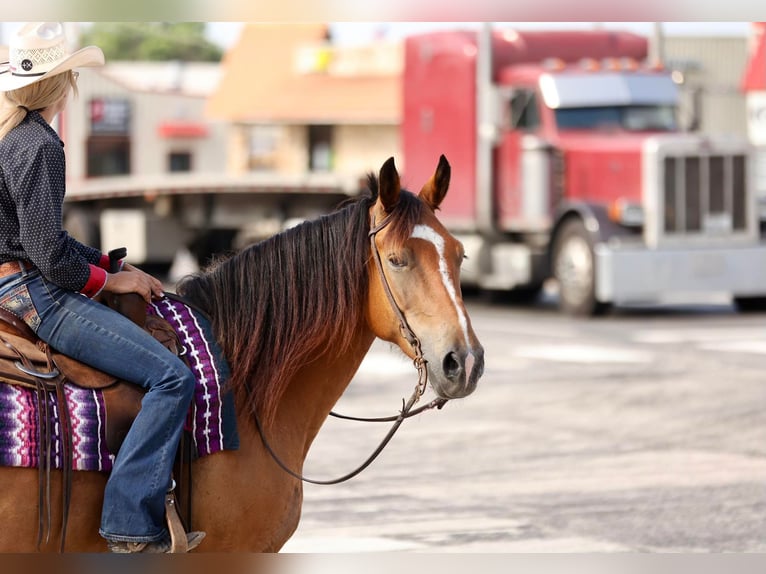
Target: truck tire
<point x="750" y="304"/>
<point x="575" y="272"/>
<point x="527" y="295"/>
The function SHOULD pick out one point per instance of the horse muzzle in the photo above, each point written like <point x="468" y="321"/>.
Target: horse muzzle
<point x="457" y="373"/>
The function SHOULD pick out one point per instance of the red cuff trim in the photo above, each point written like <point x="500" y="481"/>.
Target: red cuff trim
<point x="96" y="282"/>
<point x="104" y="263"/>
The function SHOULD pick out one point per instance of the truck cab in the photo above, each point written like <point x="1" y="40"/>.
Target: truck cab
<point x="575" y="168"/>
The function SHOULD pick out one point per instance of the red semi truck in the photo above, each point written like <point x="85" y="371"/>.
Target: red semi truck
<point x="568" y="163"/>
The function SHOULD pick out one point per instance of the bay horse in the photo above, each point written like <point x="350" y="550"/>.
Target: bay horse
<point x="294" y="316"/>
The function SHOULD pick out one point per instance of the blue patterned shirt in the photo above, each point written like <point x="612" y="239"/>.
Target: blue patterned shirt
<point x="32" y="187"/>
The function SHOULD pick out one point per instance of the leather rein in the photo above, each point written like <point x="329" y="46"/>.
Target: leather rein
<point x="406" y="412"/>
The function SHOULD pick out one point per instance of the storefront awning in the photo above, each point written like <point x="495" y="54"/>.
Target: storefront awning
<point x="182" y="129"/>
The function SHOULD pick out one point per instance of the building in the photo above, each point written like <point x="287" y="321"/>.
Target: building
<point x="143" y="118"/>
<point x="709" y="70"/>
<point x="135" y="128"/>
<point x="166" y="156"/>
<point x="294" y="102"/>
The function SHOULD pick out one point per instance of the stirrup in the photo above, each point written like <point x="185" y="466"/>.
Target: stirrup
<point x="180" y="542"/>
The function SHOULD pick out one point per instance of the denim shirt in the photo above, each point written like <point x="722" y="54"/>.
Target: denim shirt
<point x="32" y="187"/>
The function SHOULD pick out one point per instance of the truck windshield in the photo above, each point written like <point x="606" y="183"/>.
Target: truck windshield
<point x="630" y="118"/>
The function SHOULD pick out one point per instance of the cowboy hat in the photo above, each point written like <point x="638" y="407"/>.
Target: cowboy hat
<point x="38" y="50"/>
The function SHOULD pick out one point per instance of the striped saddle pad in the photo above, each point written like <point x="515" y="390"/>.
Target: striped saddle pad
<point x="211" y="419"/>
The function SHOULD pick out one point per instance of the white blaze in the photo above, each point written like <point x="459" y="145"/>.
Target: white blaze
<point x="428" y="234"/>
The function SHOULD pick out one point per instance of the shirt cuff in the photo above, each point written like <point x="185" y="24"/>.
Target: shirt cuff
<point x="104" y="263"/>
<point x="95" y="283"/>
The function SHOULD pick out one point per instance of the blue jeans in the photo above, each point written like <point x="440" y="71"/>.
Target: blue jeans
<point x="134" y="499"/>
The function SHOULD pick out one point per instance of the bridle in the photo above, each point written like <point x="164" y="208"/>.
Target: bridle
<point x="406" y="412"/>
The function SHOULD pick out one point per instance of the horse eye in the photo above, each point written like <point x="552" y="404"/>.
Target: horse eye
<point x="397" y="260"/>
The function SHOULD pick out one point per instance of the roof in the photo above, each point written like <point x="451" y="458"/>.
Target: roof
<point x="186" y="78"/>
<point x="290" y="73"/>
<point x="755" y="72"/>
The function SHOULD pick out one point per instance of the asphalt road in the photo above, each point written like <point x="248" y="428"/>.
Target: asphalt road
<point x="644" y="431"/>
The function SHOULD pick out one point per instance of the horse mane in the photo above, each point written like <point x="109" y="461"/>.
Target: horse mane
<point x="279" y="303"/>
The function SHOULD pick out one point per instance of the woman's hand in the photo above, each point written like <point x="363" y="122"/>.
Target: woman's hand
<point x="132" y="280"/>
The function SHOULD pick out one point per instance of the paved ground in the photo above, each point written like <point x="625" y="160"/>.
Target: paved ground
<point x="641" y="432"/>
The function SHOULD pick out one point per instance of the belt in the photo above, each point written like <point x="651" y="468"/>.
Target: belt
<point x="12" y="267"/>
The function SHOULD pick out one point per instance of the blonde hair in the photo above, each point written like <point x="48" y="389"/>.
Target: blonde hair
<point x="36" y="96"/>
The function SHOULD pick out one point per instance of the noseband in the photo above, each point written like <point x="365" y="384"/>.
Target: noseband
<point x="406" y="412"/>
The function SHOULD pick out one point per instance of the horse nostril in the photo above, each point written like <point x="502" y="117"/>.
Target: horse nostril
<point x="451" y="365"/>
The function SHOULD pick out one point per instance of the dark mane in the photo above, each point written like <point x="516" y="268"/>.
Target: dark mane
<point x="283" y="301"/>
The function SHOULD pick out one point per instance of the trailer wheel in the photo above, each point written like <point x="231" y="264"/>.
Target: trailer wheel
<point x="574" y="270"/>
<point x="516" y="296"/>
<point x="750" y="304"/>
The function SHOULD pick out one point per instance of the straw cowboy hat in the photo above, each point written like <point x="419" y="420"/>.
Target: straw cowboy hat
<point x="38" y="50"/>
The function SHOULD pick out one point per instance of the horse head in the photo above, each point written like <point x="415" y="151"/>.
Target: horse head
<point x="419" y="266"/>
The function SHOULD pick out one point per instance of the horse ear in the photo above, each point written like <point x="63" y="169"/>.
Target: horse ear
<point x="389" y="185"/>
<point x="435" y="189"/>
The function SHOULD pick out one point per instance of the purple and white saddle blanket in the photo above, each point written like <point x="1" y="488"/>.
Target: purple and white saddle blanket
<point x="211" y="419"/>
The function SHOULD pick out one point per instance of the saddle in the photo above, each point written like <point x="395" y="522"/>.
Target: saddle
<point x="27" y="361"/>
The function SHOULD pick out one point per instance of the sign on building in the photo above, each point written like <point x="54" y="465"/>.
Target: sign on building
<point x="109" y="116"/>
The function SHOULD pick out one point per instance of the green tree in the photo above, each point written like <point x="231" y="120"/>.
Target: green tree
<point x="154" y="41"/>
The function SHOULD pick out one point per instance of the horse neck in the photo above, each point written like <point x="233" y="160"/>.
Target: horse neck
<point x="253" y="479"/>
<point x="316" y="388"/>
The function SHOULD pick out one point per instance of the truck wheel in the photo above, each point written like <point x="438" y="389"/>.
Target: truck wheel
<point x="517" y="296"/>
<point x="574" y="270"/>
<point x="750" y="304"/>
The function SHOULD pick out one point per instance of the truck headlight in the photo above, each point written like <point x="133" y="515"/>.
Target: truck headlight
<point x="626" y="213"/>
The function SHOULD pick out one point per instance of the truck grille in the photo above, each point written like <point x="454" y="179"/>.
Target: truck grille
<point x="705" y="194"/>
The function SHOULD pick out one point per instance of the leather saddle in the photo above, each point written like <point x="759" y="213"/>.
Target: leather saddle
<point x="27" y="361"/>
